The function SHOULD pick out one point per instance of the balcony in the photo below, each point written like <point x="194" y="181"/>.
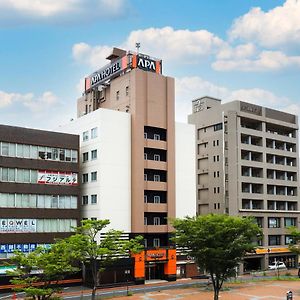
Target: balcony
<point x="155" y="185"/>
<point x="155" y="228"/>
<point x="155" y="164"/>
<point x="156" y="207"/>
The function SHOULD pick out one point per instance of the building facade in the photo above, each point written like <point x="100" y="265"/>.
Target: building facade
<point x="247" y="165"/>
<point x="38" y="188"/>
<point x="130" y="105"/>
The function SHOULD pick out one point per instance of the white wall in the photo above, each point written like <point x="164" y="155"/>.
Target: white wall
<point x="185" y="170"/>
<point x="113" y="165"/>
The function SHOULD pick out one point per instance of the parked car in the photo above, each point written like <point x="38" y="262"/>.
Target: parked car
<point x="277" y="265"/>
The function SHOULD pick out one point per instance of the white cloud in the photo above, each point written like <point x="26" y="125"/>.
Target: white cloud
<point x="29" y="100"/>
<point x="59" y="11"/>
<point x="189" y="88"/>
<point x="265" y="61"/>
<point x="91" y="56"/>
<point x="239" y="52"/>
<point x="182" y="46"/>
<point x="279" y="26"/>
<point x="170" y="44"/>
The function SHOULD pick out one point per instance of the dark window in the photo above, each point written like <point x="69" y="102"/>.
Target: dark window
<point x="218" y="126"/>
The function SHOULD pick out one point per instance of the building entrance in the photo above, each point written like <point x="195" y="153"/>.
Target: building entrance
<point x="155" y="271"/>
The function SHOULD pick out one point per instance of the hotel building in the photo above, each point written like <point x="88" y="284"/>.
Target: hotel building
<point x="247" y="165"/>
<point x="137" y="165"/>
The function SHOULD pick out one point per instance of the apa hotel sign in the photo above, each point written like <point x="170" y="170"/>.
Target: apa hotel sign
<point x="116" y="67"/>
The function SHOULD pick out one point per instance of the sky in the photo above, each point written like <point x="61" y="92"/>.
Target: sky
<point x="245" y="50"/>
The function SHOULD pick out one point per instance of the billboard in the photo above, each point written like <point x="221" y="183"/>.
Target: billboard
<point x="104" y="74"/>
<point x="58" y="178"/>
<point x="17" y="225"/>
<point x="146" y="63"/>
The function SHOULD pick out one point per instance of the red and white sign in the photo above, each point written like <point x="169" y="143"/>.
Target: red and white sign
<point x="59" y="178"/>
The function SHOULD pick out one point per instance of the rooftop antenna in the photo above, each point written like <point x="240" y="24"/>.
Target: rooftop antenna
<point x="137" y="45"/>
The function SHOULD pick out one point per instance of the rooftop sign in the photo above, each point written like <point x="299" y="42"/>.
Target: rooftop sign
<point x="115" y="68"/>
<point x="108" y="72"/>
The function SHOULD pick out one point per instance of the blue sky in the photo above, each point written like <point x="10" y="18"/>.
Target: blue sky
<point x="233" y="49"/>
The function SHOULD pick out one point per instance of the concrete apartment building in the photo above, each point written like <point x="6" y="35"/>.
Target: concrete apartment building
<point x="38" y="188"/>
<point x="134" y="166"/>
<point x="247" y="165"/>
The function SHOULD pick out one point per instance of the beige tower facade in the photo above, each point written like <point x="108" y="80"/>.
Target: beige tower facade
<point x="247" y="165"/>
<point x="133" y="83"/>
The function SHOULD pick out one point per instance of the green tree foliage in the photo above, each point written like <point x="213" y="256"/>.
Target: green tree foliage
<point x="294" y="246"/>
<point x="217" y="242"/>
<point x="37" y="273"/>
<point x="98" y="255"/>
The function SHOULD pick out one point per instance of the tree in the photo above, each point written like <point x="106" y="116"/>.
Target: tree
<point x="109" y="248"/>
<point x="217" y="242"/>
<point x="37" y="273"/>
<point x="294" y="245"/>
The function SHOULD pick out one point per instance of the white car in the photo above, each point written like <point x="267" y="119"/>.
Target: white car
<point x="277" y="265"/>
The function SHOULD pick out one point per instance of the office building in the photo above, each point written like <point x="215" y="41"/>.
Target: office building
<point x="38" y="188"/>
<point x="247" y="165"/>
<point x="137" y="165"/>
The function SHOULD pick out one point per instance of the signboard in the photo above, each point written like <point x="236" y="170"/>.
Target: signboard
<point x="271" y="250"/>
<point x="198" y="105"/>
<point x="17" y="225"/>
<point x="104" y="74"/>
<point x="60" y="178"/>
<point x="146" y="63"/>
<point x="251" y="108"/>
<point x="154" y="255"/>
<point x="25" y="248"/>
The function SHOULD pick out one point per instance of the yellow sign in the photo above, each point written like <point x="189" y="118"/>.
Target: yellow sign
<point x="271" y="250"/>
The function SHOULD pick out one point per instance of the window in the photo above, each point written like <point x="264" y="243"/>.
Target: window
<point x="94" y="176"/>
<point x="145" y="177"/>
<point x="145" y="198"/>
<point x="274" y="222"/>
<point x="156" y="177"/>
<point x="288" y="240"/>
<point x="156" y="242"/>
<point x="94" y="132"/>
<point x="145" y="135"/>
<point x="127" y="90"/>
<point x="94" y="154"/>
<point x="4" y="148"/>
<point x="85" y="200"/>
<point x="85" y="136"/>
<point x="85" y="178"/>
<point x="74" y="156"/>
<point x="156" y="220"/>
<point x="274" y="240"/>
<point x="68" y="155"/>
<point x="117" y="95"/>
<point x="157" y="137"/>
<point x="145" y="156"/>
<point x="156" y="157"/>
<point x="145" y="221"/>
<point x="156" y="199"/>
<point x="85" y="156"/>
<point x="218" y="126"/>
<point x="289" y="222"/>
<point x="94" y="199"/>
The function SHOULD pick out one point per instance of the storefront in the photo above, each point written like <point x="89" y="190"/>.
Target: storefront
<point x="155" y="264"/>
